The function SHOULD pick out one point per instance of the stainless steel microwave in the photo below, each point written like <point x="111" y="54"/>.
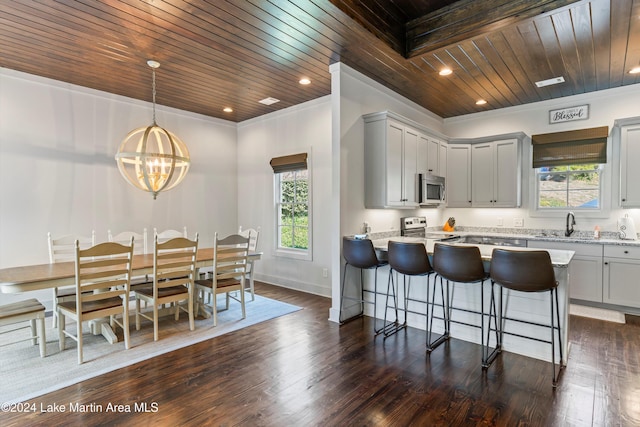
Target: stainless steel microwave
<point x="431" y="189"/>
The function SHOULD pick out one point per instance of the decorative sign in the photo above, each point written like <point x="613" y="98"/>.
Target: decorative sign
<point x="581" y="112"/>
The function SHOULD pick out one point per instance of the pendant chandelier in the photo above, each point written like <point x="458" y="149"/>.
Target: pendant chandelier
<point x="152" y="158"/>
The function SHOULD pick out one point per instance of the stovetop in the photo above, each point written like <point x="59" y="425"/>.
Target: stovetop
<point x="440" y="236"/>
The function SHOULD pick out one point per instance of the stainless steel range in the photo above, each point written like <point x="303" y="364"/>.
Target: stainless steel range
<point x="415" y="226"/>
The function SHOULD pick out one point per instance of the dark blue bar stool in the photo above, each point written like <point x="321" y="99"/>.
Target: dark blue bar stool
<point x="408" y="259"/>
<point x="528" y="271"/>
<point x="359" y="253"/>
<point x="462" y="264"/>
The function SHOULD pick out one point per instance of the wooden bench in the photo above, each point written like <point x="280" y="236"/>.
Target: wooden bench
<point x="21" y="311"/>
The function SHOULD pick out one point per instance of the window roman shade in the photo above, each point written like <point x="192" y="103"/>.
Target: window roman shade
<point x="289" y="163"/>
<point x="570" y="148"/>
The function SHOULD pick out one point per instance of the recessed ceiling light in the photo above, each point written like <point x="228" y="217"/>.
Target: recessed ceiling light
<point x="445" y="71"/>
<point x="634" y="70"/>
<point x="269" y="101"/>
<point x="304" y="81"/>
<point x="481" y="102"/>
<point x="227" y="110"/>
<point x="549" y="82"/>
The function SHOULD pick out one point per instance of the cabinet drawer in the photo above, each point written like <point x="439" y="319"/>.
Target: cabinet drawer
<point x="629" y="252"/>
<point x="586" y="249"/>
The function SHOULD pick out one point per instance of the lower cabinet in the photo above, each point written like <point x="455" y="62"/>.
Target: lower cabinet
<point x="621" y="273"/>
<point x="585" y="270"/>
<point x="607" y="274"/>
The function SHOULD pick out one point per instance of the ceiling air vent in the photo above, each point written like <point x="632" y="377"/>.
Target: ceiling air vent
<point x="269" y="101"/>
<point x="549" y="82"/>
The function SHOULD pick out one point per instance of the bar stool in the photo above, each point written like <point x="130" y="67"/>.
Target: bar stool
<point x="528" y="271"/>
<point x="462" y="264"/>
<point x="359" y="253"/>
<point x="408" y="259"/>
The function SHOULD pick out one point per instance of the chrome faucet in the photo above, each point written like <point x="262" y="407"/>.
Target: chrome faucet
<point x="571" y="221"/>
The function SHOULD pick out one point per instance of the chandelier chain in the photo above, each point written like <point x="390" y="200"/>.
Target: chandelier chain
<point x="153" y="85"/>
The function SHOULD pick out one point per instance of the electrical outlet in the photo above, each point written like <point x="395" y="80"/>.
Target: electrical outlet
<point x="518" y="222"/>
<point x="499" y="222"/>
<point x="325" y="272"/>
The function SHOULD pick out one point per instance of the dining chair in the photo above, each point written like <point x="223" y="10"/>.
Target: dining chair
<point x="139" y="240"/>
<point x="174" y="269"/>
<point x="140" y="247"/>
<point x="22" y="311"/>
<point x="229" y="274"/>
<point x="165" y="235"/>
<point x="103" y="274"/>
<point x="62" y="249"/>
<point x="252" y="234"/>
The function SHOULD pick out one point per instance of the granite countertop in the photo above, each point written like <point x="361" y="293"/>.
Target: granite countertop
<point x="559" y="258"/>
<point x="607" y="237"/>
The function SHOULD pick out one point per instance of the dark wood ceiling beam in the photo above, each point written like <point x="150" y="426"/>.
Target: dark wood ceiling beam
<point x="385" y="21"/>
<point x="466" y="19"/>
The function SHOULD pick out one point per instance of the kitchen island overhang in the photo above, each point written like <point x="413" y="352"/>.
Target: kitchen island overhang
<point x="532" y="307"/>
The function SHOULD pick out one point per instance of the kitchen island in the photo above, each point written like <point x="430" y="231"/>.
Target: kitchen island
<point x="527" y="306"/>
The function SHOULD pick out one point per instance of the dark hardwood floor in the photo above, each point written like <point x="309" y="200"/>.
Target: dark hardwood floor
<point x="302" y="370"/>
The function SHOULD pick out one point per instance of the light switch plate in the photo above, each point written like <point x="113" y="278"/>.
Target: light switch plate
<point x="518" y="222"/>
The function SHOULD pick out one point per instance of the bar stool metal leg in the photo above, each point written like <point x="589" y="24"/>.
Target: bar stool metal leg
<point x="489" y="357"/>
<point x="432" y="344"/>
<point x="553" y="329"/>
<point x="390" y="328"/>
<point x="342" y="297"/>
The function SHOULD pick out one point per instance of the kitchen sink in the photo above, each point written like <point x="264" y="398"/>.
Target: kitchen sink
<point x="496" y="241"/>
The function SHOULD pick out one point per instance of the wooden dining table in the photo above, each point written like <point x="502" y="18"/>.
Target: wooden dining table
<point x="52" y="275"/>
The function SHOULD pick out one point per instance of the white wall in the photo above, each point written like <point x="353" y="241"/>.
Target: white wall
<point x="605" y="107"/>
<point x="302" y="128"/>
<point x="353" y="96"/>
<point x="58" y="173"/>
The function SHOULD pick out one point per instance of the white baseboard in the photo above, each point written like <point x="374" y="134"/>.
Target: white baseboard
<point x="297" y="285"/>
<point x="596" y="313"/>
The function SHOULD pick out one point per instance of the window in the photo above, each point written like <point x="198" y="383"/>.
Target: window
<point x="292" y="200"/>
<point x="569" y="187"/>
<point x="568" y="169"/>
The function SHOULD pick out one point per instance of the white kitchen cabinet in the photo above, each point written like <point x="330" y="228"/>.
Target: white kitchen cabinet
<point x="396" y="150"/>
<point x="585" y="269"/>
<point x="629" y="160"/>
<point x="621" y="273"/>
<point x="436" y="155"/>
<point x="442" y="154"/>
<point x="458" y="184"/>
<point x="495" y="174"/>
<point x="391" y="163"/>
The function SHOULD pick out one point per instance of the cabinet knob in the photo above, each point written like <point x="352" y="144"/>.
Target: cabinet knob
<point x="626" y="252"/>
<point x="624" y="200"/>
<point x="606" y="263"/>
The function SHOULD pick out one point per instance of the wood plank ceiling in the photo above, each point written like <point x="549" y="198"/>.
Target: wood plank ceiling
<point x="217" y="54"/>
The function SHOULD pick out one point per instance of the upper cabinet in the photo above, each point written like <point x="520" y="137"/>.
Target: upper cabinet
<point x="495" y="174"/>
<point x="396" y="150"/>
<point x="436" y="155"/>
<point x="458" y="186"/>
<point x="488" y="172"/>
<point x="629" y="160"/>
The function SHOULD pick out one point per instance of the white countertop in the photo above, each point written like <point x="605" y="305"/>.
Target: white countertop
<point x="559" y="258"/>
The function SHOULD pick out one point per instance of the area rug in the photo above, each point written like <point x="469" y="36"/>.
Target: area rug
<point x="25" y="375"/>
